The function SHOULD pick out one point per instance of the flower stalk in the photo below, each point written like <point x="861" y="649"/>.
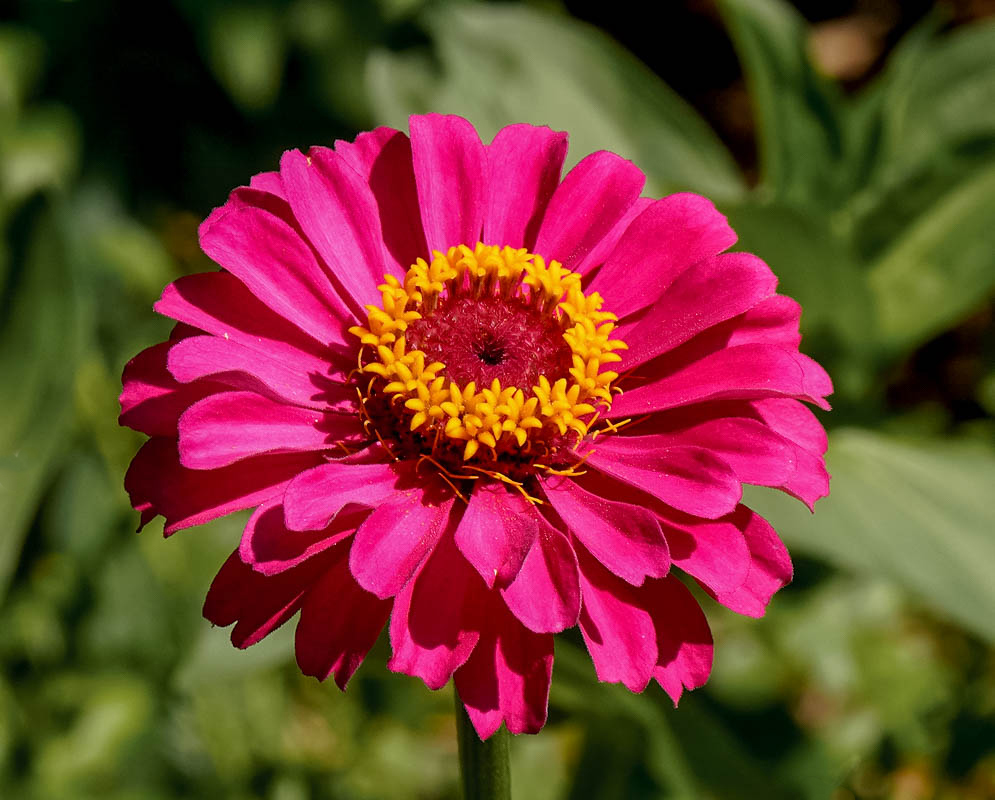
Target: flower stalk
<point x="484" y="765"/>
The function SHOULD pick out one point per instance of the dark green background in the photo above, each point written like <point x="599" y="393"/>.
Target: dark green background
<point x="871" y="195"/>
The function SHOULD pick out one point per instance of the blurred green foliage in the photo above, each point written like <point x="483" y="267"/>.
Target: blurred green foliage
<point x="872" y="675"/>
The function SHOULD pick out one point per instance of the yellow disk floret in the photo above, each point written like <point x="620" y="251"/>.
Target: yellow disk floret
<point x="494" y="420"/>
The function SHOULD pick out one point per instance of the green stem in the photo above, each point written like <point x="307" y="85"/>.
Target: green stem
<point x="483" y="765"/>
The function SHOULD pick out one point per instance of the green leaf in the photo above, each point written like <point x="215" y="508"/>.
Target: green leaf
<point x="798" y="112"/>
<point x="247" y="45"/>
<point x="37" y="355"/>
<point x="945" y="98"/>
<point x="940" y="268"/>
<point x="502" y="64"/>
<point x="918" y="512"/>
<point x="813" y="265"/>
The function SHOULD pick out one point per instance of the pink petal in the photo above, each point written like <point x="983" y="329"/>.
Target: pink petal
<point x="394" y="540"/>
<point x="158" y="484"/>
<point x="269" y="547"/>
<point x="218" y="303"/>
<point x="269" y="257"/>
<point x="507" y="677"/>
<point x="339" y="624"/>
<point x="240" y="367"/>
<point x="749" y="372"/>
<point x="618" y="631"/>
<point x="713" y="551"/>
<point x="451" y="173"/>
<point x="770" y="567"/>
<point x="756" y="454"/>
<point x="268" y="182"/>
<point x="624" y="538"/>
<point x="313" y="498"/>
<point x="593" y="197"/>
<point x="545" y="596"/>
<point x="437" y="617"/>
<point x="705" y="294"/>
<point x="230" y="426"/>
<point x="603" y="249"/>
<point x="772" y="321"/>
<point x="224" y="597"/>
<point x="684" y="642"/>
<point x="383" y="157"/>
<point x="496" y="532"/>
<point x="665" y="240"/>
<point x="795" y="421"/>
<point x="690" y="479"/>
<point x="523" y="164"/>
<point x="151" y="399"/>
<point x="339" y="215"/>
<point x="259" y="604"/>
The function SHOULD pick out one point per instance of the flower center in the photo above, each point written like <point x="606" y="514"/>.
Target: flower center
<point x="502" y="320"/>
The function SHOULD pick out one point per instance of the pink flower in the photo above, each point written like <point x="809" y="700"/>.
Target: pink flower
<point x="501" y="441"/>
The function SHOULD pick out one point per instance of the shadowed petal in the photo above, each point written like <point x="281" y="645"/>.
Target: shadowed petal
<point x="545" y="596"/>
<point x="496" y="532"/>
<point x="624" y="538"/>
<point x="394" y="540"/>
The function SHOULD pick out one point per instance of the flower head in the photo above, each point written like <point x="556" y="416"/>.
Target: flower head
<point x="482" y="403"/>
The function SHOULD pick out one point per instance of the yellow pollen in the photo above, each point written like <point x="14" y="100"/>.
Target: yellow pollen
<point x="489" y="425"/>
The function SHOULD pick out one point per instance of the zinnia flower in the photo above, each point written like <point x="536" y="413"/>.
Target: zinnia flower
<point x="482" y="403"/>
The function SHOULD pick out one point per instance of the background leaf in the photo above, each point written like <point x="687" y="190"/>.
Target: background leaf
<point x="557" y="72"/>
<point x="918" y="512"/>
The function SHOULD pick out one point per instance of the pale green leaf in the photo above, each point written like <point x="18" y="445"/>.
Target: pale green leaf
<point x="502" y="64"/>
<point x="918" y="512"/>
<point x="798" y="112"/>
<point x="940" y="268"/>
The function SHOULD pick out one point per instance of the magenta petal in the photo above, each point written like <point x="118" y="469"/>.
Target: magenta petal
<point x="339" y="624"/>
<point x="383" y="156"/>
<point x="268" y="182"/>
<point x="610" y="240"/>
<point x="219" y="303"/>
<point x="771" y="321"/>
<point x="437" y="617"/>
<point x="314" y="497"/>
<point x="230" y="426"/>
<point x="496" y="532"/>
<point x="151" y="399"/>
<point x="338" y="213"/>
<point x="273" y="262"/>
<point x="545" y="596"/>
<point x="665" y="240"/>
<point x="507" y="677"/>
<point x="586" y="206"/>
<point x="624" y="538"/>
<point x="256" y="603"/>
<point x="618" y="631"/>
<point x="756" y="453"/>
<point x="451" y="173"/>
<point x="269" y="547"/>
<point x="684" y="641"/>
<point x="158" y="484"/>
<point x="713" y="551"/>
<point x="710" y="292"/>
<point x="770" y="567"/>
<point x="795" y="421"/>
<point x="394" y="540"/>
<point x="524" y="164"/>
<point x="224" y="597"/>
<point x="689" y="479"/>
<point x="747" y="372"/>
<point x="240" y="367"/>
